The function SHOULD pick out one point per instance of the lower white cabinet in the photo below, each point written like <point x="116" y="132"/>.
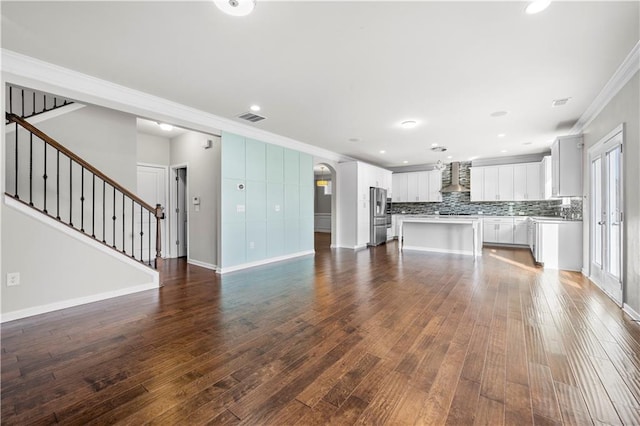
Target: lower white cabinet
<point x="558" y="244"/>
<point x="505" y="230"/>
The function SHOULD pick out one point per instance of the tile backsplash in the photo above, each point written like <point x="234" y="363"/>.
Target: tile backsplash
<point x="460" y="203"/>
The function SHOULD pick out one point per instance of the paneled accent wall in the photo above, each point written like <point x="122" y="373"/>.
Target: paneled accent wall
<point x="460" y="203"/>
<point x="267" y="201"/>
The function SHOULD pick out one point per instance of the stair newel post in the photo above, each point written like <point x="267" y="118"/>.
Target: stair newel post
<point x="159" y="216"/>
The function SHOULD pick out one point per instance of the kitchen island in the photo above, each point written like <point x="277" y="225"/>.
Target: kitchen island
<point x="443" y="234"/>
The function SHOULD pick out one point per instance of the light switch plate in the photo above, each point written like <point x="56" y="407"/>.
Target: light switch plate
<point x="13" y="278"/>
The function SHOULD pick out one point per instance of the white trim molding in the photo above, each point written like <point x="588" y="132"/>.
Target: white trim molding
<point x="64" y="304"/>
<point x="631" y="312"/>
<point x="265" y="261"/>
<point x="48" y="115"/>
<point x="627" y="69"/>
<point x="202" y="264"/>
<point x="30" y="72"/>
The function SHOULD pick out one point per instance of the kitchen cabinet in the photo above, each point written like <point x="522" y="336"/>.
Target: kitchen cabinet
<point x="477" y="183"/>
<point x="527" y="181"/>
<point x="520" y="231"/>
<point x="558" y="243"/>
<point x="413" y="187"/>
<point x="546" y="177"/>
<point x="566" y="166"/>
<point x="497" y="230"/>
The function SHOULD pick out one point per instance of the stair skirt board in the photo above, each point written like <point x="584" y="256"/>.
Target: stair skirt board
<point x="43" y="309"/>
<point x="153" y="275"/>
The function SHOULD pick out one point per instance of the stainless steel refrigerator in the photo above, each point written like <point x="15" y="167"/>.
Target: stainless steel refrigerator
<point x="377" y="216"/>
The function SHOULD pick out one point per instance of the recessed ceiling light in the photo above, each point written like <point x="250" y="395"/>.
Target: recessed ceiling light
<point x="255" y="108"/>
<point x="236" y="7"/>
<point x="527" y="143"/>
<point x="537" y="6"/>
<point x="449" y="157"/>
<point x="501" y="135"/>
<point x="503" y="151"/>
<point x="409" y="124"/>
<point x="434" y="144"/>
<point x="354" y="139"/>
<point x="382" y="151"/>
<point x="498" y="113"/>
<point x="166" y="127"/>
<point x="405" y="162"/>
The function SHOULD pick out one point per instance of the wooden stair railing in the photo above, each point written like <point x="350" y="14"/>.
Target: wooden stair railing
<point x="81" y="197"/>
<point x="26" y="103"/>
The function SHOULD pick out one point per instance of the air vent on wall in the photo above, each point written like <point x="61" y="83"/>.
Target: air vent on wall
<point x="249" y="116"/>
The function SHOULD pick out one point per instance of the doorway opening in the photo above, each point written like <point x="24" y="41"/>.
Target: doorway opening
<point x="179" y="219"/>
<point x="606" y="223"/>
<point x="324" y="206"/>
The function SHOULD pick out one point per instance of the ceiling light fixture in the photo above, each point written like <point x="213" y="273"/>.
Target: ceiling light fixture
<point x="166" y="127"/>
<point x="440" y="165"/>
<point x="236" y="7"/>
<point x="409" y="124"/>
<point x="504" y="151"/>
<point x="405" y="162"/>
<point x="322" y="181"/>
<point x="537" y="6"/>
<point x="449" y="157"/>
<point x="498" y="114"/>
<point x="255" y="108"/>
<point x="434" y="144"/>
<point x="501" y="135"/>
<point x="354" y="139"/>
<point x="382" y="151"/>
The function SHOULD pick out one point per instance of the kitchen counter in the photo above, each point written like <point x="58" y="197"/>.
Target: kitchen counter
<point x="443" y="234"/>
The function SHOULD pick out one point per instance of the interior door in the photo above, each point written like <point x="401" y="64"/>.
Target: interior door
<point x="151" y="181"/>
<point x="607" y="217"/>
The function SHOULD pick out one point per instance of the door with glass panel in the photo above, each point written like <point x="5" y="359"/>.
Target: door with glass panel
<point x="607" y="218"/>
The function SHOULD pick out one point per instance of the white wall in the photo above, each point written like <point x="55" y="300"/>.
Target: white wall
<point x="623" y="108"/>
<point x="203" y="180"/>
<point x="56" y="269"/>
<point x="153" y="149"/>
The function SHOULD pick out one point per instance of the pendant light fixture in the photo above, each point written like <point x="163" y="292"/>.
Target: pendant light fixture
<point x="322" y="181"/>
<point x="236" y="7"/>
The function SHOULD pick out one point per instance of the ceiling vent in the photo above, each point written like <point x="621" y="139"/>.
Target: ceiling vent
<point x="438" y="148"/>
<point x="249" y="116"/>
<point x="560" y="102"/>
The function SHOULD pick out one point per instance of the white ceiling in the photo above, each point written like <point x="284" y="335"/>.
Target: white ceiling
<point x="326" y="72"/>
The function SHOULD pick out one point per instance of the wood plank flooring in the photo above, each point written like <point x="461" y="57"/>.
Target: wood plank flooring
<point x="369" y="337"/>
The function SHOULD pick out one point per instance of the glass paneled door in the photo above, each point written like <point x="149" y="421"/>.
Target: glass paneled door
<point x="607" y="215"/>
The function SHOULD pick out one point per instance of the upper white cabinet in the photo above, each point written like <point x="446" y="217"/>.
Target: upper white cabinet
<point x="566" y="166"/>
<point x="507" y="182"/>
<point x="417" y="187"/>
<point x="527" y="181"/>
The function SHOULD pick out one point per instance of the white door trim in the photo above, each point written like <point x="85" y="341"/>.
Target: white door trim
<point x="172" y="208"/>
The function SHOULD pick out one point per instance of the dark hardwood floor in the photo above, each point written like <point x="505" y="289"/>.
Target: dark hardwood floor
<point x="340" y="338"/>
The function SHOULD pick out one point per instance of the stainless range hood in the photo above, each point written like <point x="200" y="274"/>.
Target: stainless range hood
<point x="455" y="180"/>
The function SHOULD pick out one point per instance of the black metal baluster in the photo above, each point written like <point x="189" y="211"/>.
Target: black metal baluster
<point x="93" y="206"/>
<point x="114" y="217"/>
<point x="44" y="176"/>
<point x="31" y="169"/>
<point x="104" y="208"/>
<point x="133" y="230"/>
<point x="149" y="237"/>
<point x="124" y="250"/>
<point x="33" y="105"/>
<point x="16" y="183"/>
<point x="70" y="192"/>
<point x="22" y="95"/>
<point x="55" y="102"/>
<point x="141" y="233"/>
<point x="82" y="200"/>
<point x="11" y="101"/>
<point x="58" y="185"/>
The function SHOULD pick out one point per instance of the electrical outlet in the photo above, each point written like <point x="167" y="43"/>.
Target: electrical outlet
<point x="13" y="278"/>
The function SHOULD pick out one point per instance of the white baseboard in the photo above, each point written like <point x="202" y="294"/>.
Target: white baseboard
<point x="264" y="262"/>
<point x="202" y="264"/>
<point x="632" y="313"/>
<point x="37" y="310"/>
<point x="417" y="248"/>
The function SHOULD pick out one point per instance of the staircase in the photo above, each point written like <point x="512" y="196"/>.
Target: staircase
<point x="47" y="177"/>
<point x="27" y="103"/>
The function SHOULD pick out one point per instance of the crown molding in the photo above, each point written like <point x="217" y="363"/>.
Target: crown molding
<point x="627" y="69"/>
<point x="30" y="72"/>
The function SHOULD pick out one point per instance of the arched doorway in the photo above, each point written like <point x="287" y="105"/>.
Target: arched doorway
<point x="324" y="206"/>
